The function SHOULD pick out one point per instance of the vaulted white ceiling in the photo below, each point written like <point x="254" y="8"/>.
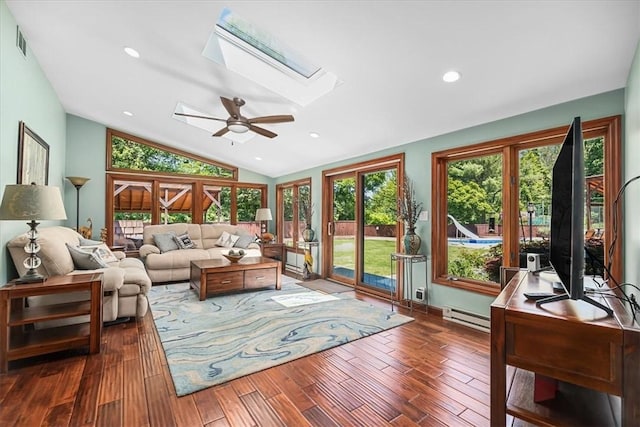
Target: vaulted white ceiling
<point x="514" y="56"/>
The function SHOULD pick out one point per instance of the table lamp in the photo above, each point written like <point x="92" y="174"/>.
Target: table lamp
<point x="31" y="202"/>
<point x="263" y="215"/>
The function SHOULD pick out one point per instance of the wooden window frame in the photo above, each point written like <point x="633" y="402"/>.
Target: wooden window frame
<point x="294" y="185"/>
<point x="196" y="185"/>
<point x="608" y="127"/>
<point x="176" y="151"/>
<point x="396" y="160"/>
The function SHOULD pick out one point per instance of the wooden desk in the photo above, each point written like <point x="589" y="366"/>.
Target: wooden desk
<point x="568" y="340"/>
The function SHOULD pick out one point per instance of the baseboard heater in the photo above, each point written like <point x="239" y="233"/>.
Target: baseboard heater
<point x="467" y="318"/>
<point x="293" y="269"/>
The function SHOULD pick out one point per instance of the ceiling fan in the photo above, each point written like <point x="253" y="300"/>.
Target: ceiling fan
<point x="238" y="123"/>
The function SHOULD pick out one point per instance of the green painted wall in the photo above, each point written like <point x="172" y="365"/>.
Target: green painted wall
<point x="418" y="167"/>
<point x="86" y="145"/>
<point x="27" y="95"/>
<point x="631" y="224"/>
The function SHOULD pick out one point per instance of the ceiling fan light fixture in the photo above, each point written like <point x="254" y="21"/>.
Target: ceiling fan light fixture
<point x="238" y="127"/>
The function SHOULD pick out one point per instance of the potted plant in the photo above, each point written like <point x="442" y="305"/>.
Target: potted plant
<point x="408" y="212"/>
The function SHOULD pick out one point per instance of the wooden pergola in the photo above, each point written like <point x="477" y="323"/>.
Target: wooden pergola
<point x="595" y="185"/>
<point x="135" y="197"/>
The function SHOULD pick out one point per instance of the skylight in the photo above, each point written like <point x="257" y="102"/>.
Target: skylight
<point x="232" y="28"/>
<point x="258" y="56"/>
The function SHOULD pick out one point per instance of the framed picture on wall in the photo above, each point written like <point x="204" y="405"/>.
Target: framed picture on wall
<point x="33" y="157"/>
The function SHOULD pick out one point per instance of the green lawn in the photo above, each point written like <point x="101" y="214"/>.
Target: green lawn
<point x="463" y="262"/>
<point x="376" y="259"/>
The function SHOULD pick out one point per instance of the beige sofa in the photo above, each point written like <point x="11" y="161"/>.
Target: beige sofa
<point x="175" y="265"/>
<point x="125" y="281"/>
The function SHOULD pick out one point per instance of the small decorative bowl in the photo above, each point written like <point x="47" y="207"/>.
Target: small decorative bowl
<point x="233" y="258"/>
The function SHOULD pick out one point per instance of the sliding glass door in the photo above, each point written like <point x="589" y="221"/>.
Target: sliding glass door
<point x="379" y="191"/>
<point x="361" y="229"/>
<point x="343" y="228"/>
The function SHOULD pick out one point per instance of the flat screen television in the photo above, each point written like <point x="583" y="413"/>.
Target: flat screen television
<point x="566" y="238"/>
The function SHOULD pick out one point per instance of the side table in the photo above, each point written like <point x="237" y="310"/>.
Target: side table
<point x="406" y="262"/>
<point x="313" y="248"/>
<point x="275" y="251"/>
<point x="18" y="340"/>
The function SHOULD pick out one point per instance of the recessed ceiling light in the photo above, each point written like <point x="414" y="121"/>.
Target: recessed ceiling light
<point x="314" y="134"/>
<point x="451" y="76"/>
<point x="132" y="52"/>
<point x="127" y="113"/>
<point x="258" y="158"/>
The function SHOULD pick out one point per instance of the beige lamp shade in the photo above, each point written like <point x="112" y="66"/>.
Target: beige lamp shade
<point x="32" y="202"/>
<point x="78" y="181"/>
<point x="263" y="214"/>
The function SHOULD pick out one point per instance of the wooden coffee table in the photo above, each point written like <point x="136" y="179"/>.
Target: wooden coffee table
<point x="215" y="276"/>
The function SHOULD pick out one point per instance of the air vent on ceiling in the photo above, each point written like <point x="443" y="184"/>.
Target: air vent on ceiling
<point x="21" y="42"/>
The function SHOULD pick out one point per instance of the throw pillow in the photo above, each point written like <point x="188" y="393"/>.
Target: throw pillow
<point x="102" y="251"/>
<point x="166" y="242"/>
<point x="87" y="242"/>
<point x="83" y="260"/>
<point x="244" y="241"/>
<point x="227" y="240"/>
<point x="184" y="241"/>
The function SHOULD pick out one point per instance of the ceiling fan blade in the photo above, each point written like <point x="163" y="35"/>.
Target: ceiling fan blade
<point x="199" y="117"/>
<point x="221" y="131"/>
<point x="262" y="131"/>
<point x="272" y="119"/>
<point x="231" y="107"/>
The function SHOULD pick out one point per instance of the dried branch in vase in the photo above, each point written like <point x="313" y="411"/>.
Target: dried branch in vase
<point x="408" y="208"/>
<point x="306" y="209"/>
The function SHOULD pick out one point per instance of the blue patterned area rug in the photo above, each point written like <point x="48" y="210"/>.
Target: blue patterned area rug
<point x="213" y="341"/>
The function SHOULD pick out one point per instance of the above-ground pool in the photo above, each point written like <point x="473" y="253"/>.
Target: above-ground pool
<point x="481" y="242"/>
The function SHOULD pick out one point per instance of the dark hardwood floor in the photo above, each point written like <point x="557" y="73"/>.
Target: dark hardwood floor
<point x="428" y="372"/>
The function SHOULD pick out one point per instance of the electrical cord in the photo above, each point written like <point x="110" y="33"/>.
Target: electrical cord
<point x="614" y="239"/>
<point x="631" y="300"/>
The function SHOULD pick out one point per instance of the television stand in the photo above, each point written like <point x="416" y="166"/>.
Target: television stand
<point x="596" y="358"/>
<point x="582" y="298"/>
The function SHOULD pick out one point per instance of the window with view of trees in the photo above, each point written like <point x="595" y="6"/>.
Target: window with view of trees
<point x="217" y="204"/>
<point x="290" y="216"/>
<point x="248" y="201"/>
<point x="127" y="152"/>
<point x="152" y="184"/>
<point x="495" y="199"/>
<point x="474" y="199"/>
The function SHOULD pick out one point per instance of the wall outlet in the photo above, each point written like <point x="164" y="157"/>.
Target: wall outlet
<point x="424" y="215"/>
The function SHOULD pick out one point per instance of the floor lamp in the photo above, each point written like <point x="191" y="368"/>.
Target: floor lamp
<point x="78" y="182"/>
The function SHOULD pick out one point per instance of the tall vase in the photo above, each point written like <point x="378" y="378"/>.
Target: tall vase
<point x="308" y="234"/>
<point x="411" y="242"/>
